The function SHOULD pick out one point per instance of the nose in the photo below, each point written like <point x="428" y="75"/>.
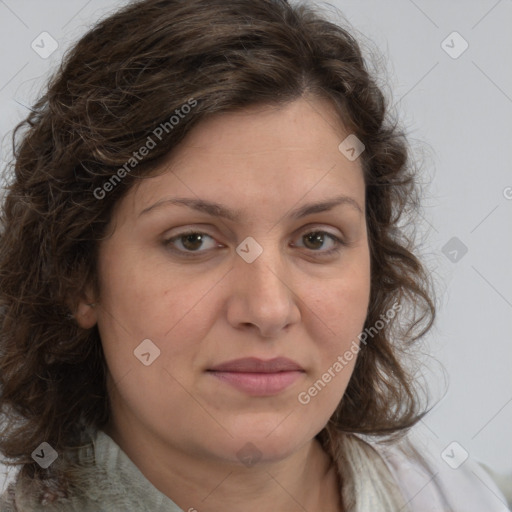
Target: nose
<point x="262" y="297"/>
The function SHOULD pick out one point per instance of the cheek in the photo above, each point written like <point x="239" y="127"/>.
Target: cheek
<point x="149" y="299"/>
<point x="174" y="312"/>
<point x="139" y="301"/>
<point x="342" y="304"/>
<point x="341" y="310"/>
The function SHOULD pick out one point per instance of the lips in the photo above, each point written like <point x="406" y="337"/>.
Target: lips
<point x="254" y="365"/>
<point x="257" y="377"/>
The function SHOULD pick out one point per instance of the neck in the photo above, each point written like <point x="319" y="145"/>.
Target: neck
<point x="307" y="480"/>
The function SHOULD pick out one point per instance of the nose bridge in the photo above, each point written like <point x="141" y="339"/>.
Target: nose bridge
<point x="266" y="277"/>
<point x="262" y="295"/>
<point x="266" y="273"/>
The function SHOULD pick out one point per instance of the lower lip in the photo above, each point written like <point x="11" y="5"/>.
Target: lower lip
<point x="259" y="384"/>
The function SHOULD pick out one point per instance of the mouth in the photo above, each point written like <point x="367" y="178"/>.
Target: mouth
<point x="257" y="377"/>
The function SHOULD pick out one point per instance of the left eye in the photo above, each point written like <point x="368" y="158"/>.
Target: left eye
<point x="314" y="240"/>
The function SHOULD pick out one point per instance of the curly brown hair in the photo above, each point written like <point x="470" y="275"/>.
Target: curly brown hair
<point x="129" y="74"/>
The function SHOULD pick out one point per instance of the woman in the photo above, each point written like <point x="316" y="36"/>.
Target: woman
<point x="206" y="299"/>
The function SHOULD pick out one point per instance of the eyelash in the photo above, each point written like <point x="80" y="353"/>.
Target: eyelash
<point x="194" y="254"/>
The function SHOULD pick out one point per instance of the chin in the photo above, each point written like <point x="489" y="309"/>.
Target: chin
<point x="267" y="439"/>
<point x="262" y="451"/>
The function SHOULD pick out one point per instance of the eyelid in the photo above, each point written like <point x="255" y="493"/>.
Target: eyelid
<point x="201" y="229"/>
<point x="336" y="233"/>
<point x="168" y="241"/>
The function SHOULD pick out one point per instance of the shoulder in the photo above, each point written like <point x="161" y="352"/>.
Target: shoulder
<point x="103" y="479"/>
<point x="7" y="499"/>
<point x="439" y="479"/>
<point x="63" y="486"/>
<point x="25" y="495"/>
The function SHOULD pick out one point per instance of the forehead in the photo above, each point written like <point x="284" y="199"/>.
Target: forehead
<point x="287" y="151"/>
<point x="301" y="125"/>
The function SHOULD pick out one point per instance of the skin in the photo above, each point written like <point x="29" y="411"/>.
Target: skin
<point x="181" y="426"/>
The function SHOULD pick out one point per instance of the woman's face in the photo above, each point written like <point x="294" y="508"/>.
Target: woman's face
<point x="260" y="275"/>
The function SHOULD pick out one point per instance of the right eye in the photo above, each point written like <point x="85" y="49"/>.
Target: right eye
<point x="189" y="242"/>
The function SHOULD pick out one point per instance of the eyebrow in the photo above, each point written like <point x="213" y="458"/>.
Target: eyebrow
<point x="218" y="210"/>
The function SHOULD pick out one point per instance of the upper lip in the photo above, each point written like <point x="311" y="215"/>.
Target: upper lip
<point x="255" y="365"/>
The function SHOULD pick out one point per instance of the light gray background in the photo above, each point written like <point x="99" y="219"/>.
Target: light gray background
<point x="458" y="114"/>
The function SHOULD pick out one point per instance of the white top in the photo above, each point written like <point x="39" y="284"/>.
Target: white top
<point x="449" y="481"/>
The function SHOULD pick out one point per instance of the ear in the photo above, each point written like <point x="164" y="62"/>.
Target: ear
<point x="86" y="311"/>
